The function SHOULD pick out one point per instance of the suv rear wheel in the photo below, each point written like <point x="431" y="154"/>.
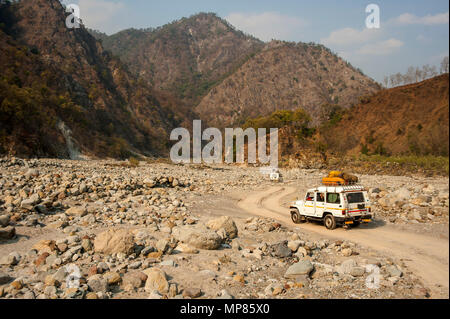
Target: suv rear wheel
<point x="330" y="222"/>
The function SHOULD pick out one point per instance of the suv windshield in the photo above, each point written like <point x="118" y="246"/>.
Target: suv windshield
<point x="355" y="198"/>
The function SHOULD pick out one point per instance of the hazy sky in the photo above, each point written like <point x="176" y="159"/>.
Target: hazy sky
<point x="412" y="32"/>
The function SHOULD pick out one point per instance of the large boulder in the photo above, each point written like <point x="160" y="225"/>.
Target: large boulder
<point x="7" y="233"/>
<point x="402" y="194"/>
<point x="394" y="271"/>
<point x="226" y="223"/>
<point x="281" y="250"/>
<point x="156" y="280"/>
<point x="303" y="267"/>
<point x="4" y="220"/>
<point x="346" y="266"/>
<point x="97" y="283"/>
<point x="5" y="278"/>
<point x="30" y="202"/>
<point x="45" y="246"/>
<point x="114" y="241"/>
<point x="77" y="211"/>
<point x="133" y="280"/>
<point x="198" y="236"/>
<point x="385" y="202"/>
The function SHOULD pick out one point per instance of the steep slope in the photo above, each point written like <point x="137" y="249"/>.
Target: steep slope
<point x="285" y="76"/>
<point x="411" y="119"/>
<point x="186" y="57"/>
<point x="53" y="75"/>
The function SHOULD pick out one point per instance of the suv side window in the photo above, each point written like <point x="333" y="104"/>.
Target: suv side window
<point x="333" y="198"/>
<point x="310" y="197"/>
<point x="320" y="197"/>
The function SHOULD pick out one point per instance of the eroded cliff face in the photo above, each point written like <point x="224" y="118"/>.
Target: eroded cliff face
<point x="285" y="76"/>
<point x="53" y="73"/>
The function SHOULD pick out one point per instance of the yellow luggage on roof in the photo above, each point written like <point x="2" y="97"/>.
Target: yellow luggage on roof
<point x="334" y="174"/>
<point x="333" y="181"/>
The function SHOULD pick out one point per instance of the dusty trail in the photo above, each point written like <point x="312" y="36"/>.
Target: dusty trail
<point x="426" y="256"/>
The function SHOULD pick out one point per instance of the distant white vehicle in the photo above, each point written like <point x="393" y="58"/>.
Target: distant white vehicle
<point x="273" y="173"/>
<point x="333" y="205"/>
<point x="275" y="176"/>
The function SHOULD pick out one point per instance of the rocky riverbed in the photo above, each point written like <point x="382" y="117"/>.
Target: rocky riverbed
<point x="104" y="229"/>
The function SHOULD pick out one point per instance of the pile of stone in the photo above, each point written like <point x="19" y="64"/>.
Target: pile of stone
<point x="116" y="260"/>
<point x="419" y="204"/>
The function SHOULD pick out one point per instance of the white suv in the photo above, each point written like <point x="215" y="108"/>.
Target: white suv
<point x="334" y="205"/>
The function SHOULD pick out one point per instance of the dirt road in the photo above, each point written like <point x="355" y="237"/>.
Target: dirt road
<point x="425" y="256"/>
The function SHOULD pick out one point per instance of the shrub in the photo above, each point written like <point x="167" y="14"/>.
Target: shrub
<point x="134" y="162"/>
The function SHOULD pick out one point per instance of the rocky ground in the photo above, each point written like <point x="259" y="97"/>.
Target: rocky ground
<point x="103" y="229"/>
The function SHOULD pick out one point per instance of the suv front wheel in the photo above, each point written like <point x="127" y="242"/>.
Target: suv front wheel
<point x="296" y="218"/>
<point x="330" y="222"/>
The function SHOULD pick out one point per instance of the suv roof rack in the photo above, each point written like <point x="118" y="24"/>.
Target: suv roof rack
<point x="355" y="187"/>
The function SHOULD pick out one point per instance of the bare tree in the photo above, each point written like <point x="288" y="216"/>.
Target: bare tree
<point x="393" y="80"/>
<point x="444" y="65"/>
<point x="398" y="78"/>
<point x="426" y="71"/>
<point x="386" y="81"/>
<point x="418" y="74"/>
<point x="433" y="71"/>
<point x="414" y="75"/>
<point x="410" y="75"/>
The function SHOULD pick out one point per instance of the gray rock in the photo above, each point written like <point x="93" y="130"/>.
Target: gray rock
<point x="29" y="295"/>
<point x="83" y="188"/>
<point x="225" y="223"/>
<point x="197" y="236"/>
<point x="346" y="266"/>
<point x="10" y="259"/>
<point x="394" y="271"/>
<point x="162" y="245"/>
<point x="32" y="172"/>
<point x="50" y="291"/>
<point x="77" y="211"/>
<point x="86" y="244"/>
<point x="402" y="194"/>
<point x="60" y="275"/>
<point x="41" y="209"/>
<point x="303" y="267"/>
<point x="169" y="263"/>
<point x="147" y="250"/>
<point x="4" y="220"/>
<point x="5" y="278"/>
<point x="192" y="292"/>
<point x="294" y="244"/>
<point x="135" y="265"/>
<point x="281" y="250"/>
<point x="97" y="283"/>
<point x="357" y="271"/>
<point x="225" y="295"/>
<point x="133" y="280"/>
<point x="30" y="202"/>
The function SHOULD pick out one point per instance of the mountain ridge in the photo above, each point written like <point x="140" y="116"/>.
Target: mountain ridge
<point x="110" y="112"/>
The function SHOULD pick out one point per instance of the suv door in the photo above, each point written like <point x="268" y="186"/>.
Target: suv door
<point x="320" y="204"/>
<point x="309" y="206"/>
